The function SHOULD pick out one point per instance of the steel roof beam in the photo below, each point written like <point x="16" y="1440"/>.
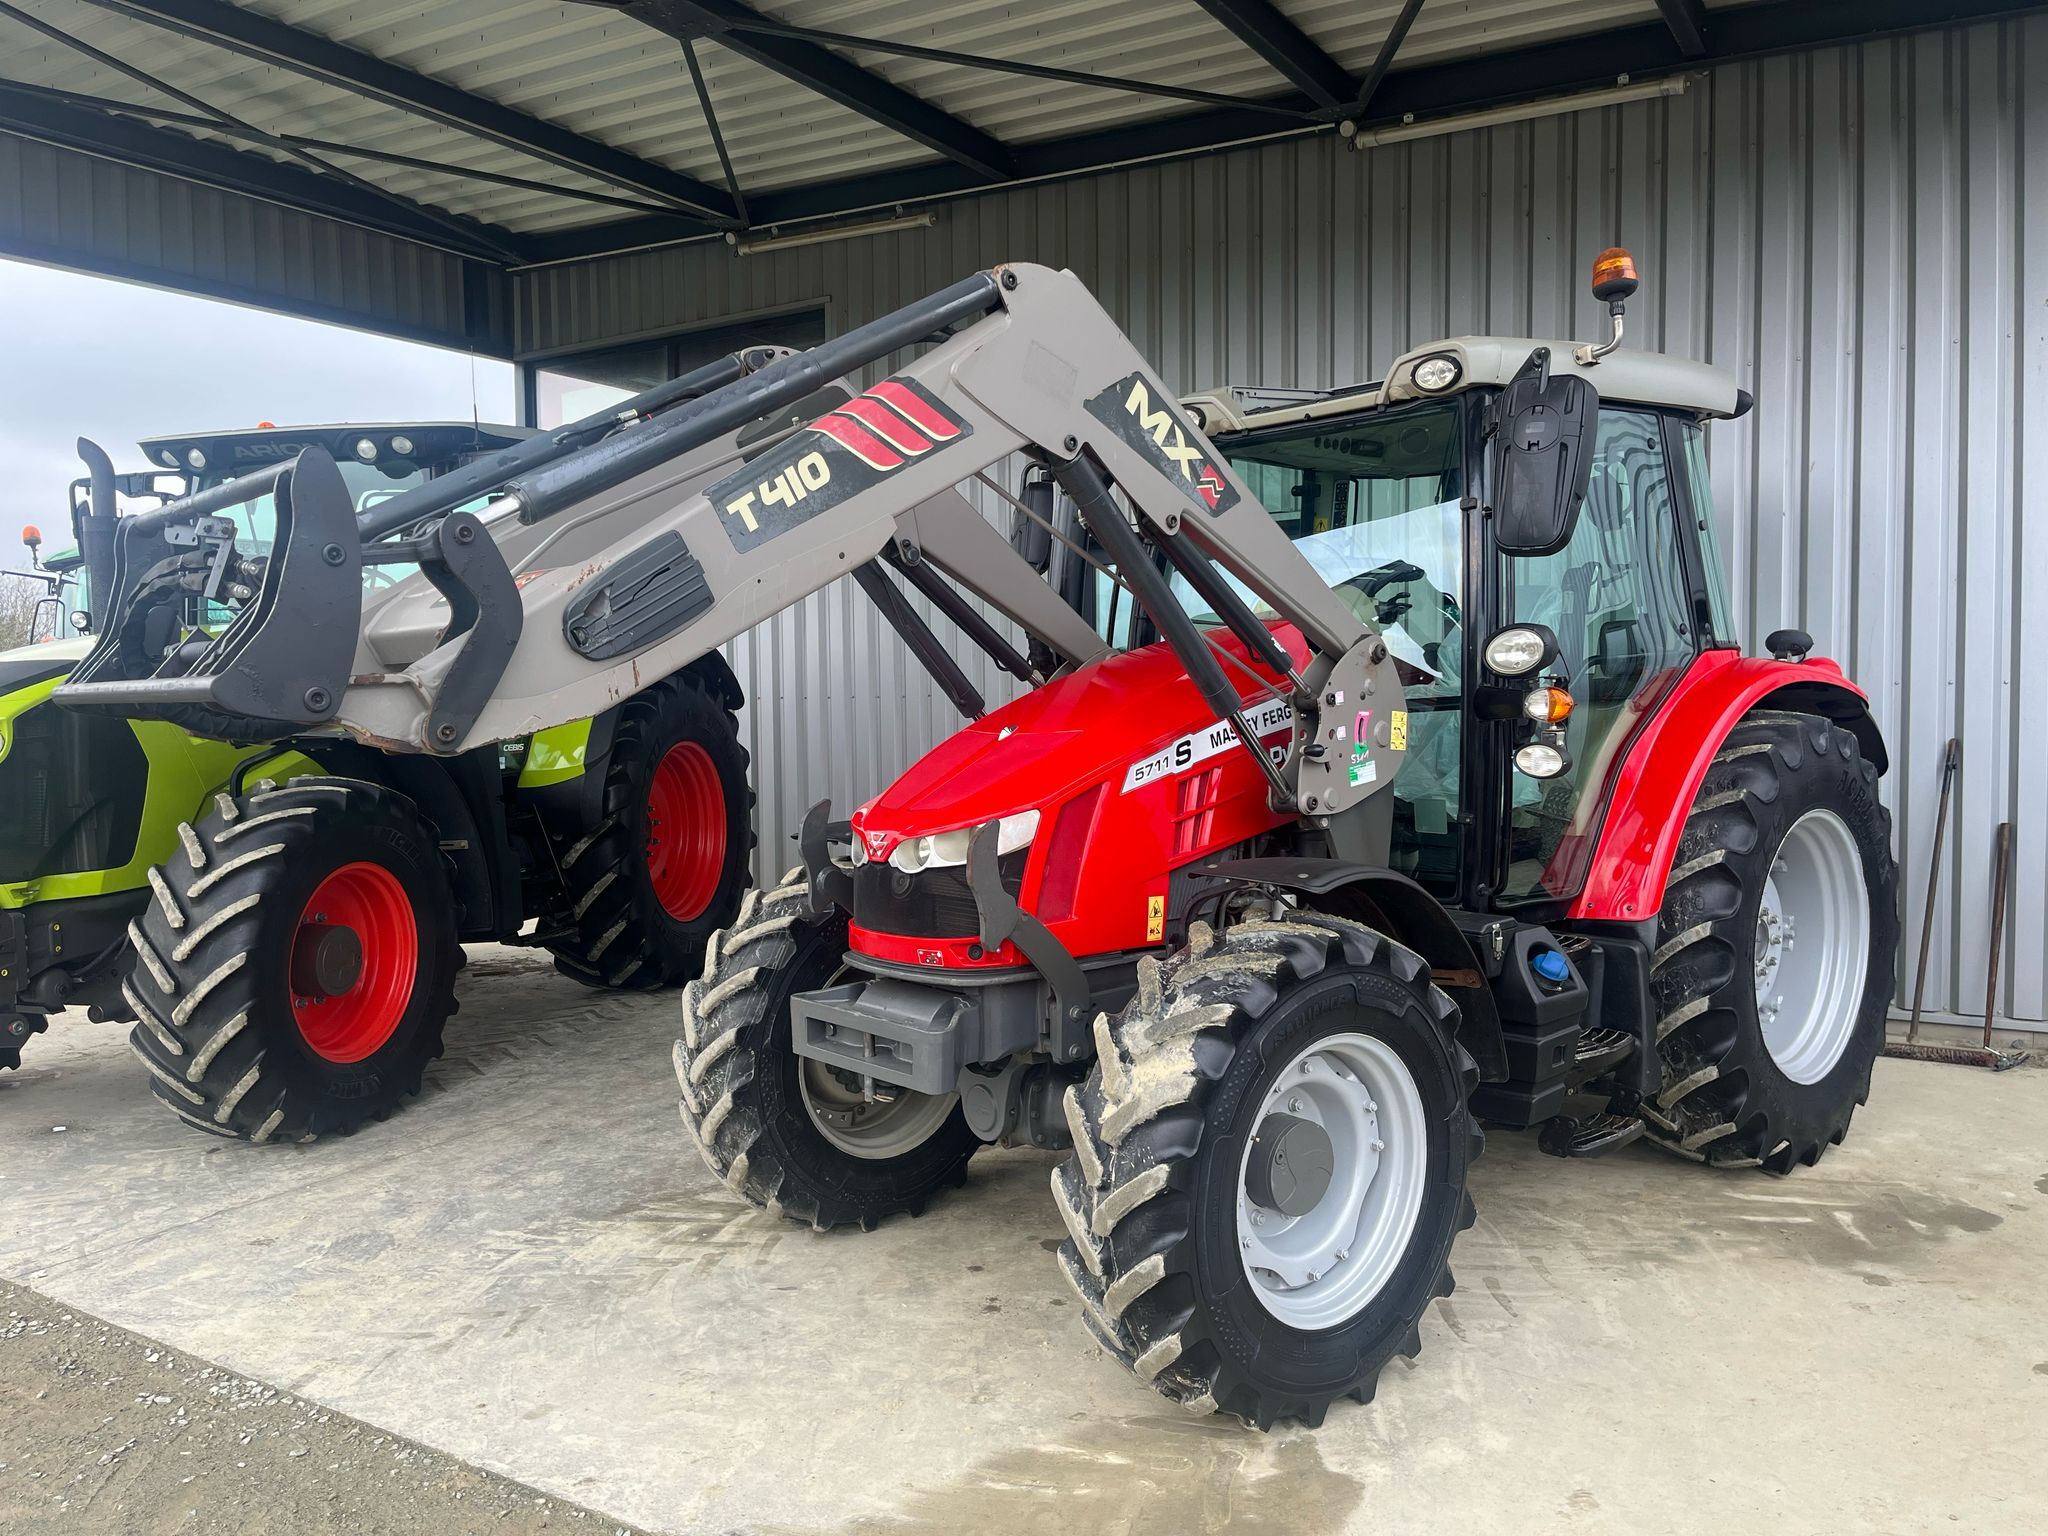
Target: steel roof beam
<point x="35" y="115"/>
<point x="1297" y="58"/>
<point x="232" y="130"/>
<point x="736" y="27"/>
<point x="1435" y="90"/>
<point x="1687" y="20"/>
<point x="772" y="28"/>
<point x="1390" y="45"/>
<point x="732" y="180"/>
<point x="321" y="58"/>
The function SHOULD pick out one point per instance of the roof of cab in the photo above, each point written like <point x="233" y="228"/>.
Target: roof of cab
<point x="251" y="446"/>
<point x="1638" y="378"/>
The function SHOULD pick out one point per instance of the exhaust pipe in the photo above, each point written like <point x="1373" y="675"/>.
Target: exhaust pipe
<point x="94" y="525"/>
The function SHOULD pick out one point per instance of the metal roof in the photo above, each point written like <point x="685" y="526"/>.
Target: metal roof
<point x="519" y="131"/>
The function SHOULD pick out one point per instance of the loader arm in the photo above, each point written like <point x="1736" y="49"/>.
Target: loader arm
<point x="598" y="573"/>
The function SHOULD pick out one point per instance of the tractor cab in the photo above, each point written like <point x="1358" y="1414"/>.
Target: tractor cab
<point x="1534" y="642"/>
<point x="378" y="462"/>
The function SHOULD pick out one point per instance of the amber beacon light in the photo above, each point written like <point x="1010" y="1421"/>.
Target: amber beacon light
<point x="1614" y="281"/>
<point x="1614" y="275"/>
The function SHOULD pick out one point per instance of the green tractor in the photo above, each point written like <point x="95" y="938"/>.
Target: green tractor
<point x="626" y="835"/>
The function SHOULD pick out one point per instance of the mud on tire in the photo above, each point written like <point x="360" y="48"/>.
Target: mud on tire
<point x="1724" y="1098"/>
<point x="212" y="983"/>
<point x="741" y="1091"/>
<point x="618" y="933"/>
<point x="1148" y="1194"/>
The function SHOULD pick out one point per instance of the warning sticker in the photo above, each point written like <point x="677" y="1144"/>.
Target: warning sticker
<point x="1265" y="719"/>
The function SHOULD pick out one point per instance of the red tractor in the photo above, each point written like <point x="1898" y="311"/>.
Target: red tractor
<point x="1634" y="881"/>
<point x="1419" y="783"/>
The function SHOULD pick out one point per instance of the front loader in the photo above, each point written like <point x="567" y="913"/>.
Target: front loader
<point x="617" y="840"/>
<point x="1422" y="788"/>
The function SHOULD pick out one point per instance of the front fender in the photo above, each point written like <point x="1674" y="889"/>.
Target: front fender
<point x="1667" y="762"/>
<point x="1404" y="911"/>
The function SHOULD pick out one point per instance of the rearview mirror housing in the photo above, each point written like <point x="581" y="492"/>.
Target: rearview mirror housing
<point x="1542" y="457"/>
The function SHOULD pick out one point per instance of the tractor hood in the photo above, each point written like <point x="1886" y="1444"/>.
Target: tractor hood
<point x="30" y="664"/>
<point x="1036" y="752"/>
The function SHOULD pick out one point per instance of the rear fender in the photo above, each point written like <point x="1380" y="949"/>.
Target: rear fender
<point x="1665" y="765"/>
<point x="1405" y="912"/>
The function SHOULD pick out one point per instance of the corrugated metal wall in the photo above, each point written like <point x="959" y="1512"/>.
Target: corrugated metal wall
<point x="1856" y="233"/>
<point x="73" y="210"/>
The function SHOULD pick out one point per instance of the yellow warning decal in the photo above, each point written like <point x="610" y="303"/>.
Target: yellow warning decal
<point x="1397" y="730"/>
<point x="1155" y="918"/>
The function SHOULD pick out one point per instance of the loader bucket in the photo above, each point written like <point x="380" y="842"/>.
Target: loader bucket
<point x="155" y="660"/>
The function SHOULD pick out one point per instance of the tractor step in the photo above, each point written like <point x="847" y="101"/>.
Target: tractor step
<point x="1599" y="1051"/>
<point x="1566" y="1137"/>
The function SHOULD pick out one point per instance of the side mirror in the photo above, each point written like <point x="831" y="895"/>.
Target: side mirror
<point x="1542" y="457"/>
<point x="1031" y="537"/>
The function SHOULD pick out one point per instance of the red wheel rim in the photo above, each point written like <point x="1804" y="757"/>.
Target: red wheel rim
<point x="345" y="1012"/>
<point x="685" y="831"/>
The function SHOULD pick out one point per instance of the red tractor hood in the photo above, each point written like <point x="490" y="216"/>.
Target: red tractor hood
<point x="1051" y="743"/>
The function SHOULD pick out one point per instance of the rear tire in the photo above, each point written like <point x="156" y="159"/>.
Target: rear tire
<point x="763" y="1117"/>
<point x="1789" y="801"/>
<point x="229" y="959"/>
<point x="644" y="891"/>
<point x="1153" y="1196"/>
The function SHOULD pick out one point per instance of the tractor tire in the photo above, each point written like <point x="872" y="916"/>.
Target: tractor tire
<point x="1166" y="1206"/>
<point x="297" y="962"/>
<point x="1775" y="944"/>
<point x="664" y="865"/>
<point x="780" y="1131"/>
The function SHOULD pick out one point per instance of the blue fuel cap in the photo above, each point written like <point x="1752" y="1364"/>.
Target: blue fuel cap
<point x="1551" y="966"/>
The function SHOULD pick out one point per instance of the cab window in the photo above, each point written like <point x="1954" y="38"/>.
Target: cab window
<point x="1618" y="600"/>
<point x="1372" y="502"/>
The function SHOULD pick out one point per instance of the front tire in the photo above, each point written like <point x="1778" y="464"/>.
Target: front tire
<point x="777" y="1129"/>
<point x="296" y="963"/>
<point x="1179" y="1144"/>
<point x="1775" y="949"/>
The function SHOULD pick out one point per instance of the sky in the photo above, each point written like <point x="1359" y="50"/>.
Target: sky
<point x="112" y="361"/>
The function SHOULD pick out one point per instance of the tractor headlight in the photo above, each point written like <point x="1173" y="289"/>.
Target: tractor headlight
<point x="1434" y="375"/>
<point x="168" y="457"/>
<point x="366" y="450"/>
<point x="1520" y="649"/>
<point x="402" y="446"/>
<point x="196" y="458"/>
<point x="1540" y="760"/>
<point x="948" y="850"/>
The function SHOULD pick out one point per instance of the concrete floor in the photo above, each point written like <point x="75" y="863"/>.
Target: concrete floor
<point x="531" y="1271"/>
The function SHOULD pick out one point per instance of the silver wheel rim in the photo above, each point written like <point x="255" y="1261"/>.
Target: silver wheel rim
<point x="1812" y="953"/>
<point x="871" y="1131"/>
<point x="1320" y="1268"/>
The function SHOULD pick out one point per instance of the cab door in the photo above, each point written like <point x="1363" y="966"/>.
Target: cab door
<point x="1623" y="600"/>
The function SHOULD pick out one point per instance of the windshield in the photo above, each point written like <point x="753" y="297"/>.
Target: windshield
<point x="368" y="485"/>
<point x="1372" y="502"/>
<point x="256" y="520"/>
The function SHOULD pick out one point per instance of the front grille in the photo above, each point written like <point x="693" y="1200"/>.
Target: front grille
<point x="934" y="904"/>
